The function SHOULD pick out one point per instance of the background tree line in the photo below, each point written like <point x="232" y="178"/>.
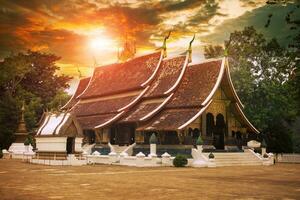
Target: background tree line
<point x="31" y="77"/>
<point x="266" y="76"/>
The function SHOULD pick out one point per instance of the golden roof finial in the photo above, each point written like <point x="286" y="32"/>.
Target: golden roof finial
<point x="164" y="46"/>
<point x="190" y="49"/>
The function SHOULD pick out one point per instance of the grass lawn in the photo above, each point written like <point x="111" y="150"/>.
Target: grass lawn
<point x="27" y="181"/>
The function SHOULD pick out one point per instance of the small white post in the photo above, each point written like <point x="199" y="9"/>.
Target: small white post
<point x="140" y="159"/>
<point x="165" y="159"/>
<point x="153" y="150"/>
<point x="122" y="156"/>
<point x="263" y="151"/>
<point x="153" y="142"/>
<point x="113" y="157"/>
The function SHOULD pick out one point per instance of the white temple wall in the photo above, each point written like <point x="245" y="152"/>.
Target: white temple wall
<point x="78" y="144"/>
<point x="53" y="144"/>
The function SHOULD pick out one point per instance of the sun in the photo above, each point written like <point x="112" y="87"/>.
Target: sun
<point x="101" y="43"/>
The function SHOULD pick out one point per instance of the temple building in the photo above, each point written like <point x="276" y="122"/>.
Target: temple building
<point x="178" y="100"/>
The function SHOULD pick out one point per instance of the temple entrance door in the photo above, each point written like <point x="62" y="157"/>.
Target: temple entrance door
<point x="112" y="135"/>
<point x="70" y="145"/>
<point x="219" y="132"/>
<point x="125" y="134"/>
<point x="210" y="124"/>
<point x="89" y="136"/>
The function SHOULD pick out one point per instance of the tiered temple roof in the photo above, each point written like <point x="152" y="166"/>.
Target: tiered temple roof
<point x="114" y="88"/>
<point x="59" y="124"/>
<point x="153" y="92"/>
<point x="80" y="88"/>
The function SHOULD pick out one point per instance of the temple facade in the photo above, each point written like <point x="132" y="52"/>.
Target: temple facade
<point x="178" y="100"/>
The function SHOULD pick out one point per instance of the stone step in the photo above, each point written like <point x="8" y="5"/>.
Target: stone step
<point x="119" y="149"/>
<point x="233" y="157"/>
<point x="237" y="160"/>
<point x="238" y="164"/>
<point x="229" y="154"/>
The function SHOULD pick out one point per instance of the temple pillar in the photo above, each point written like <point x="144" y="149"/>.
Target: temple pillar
<point x="104" y="136"/>
<point x="203" y="123"/>
<point x="180" y="135"/>
<point x="161" y="136"/>
<point x="139" y="137"/>
<point x="98" y="135"/>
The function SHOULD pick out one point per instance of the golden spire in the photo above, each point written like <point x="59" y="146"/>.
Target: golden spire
<point x="22" y="111"/>
<point x="190" y="49"/>
<point x="22" y="126"/>
<point x="129" y="49"/>
<point x="79" y="72"/>
<point x="164" y="46"/>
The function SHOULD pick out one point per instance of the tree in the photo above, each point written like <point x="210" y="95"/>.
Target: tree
<point x="32" y="77"/>
<point x="60" y="99"/>
<point x="294" y="23"/>
<point x="213" y="51"/>
<point x="261" y="71"/>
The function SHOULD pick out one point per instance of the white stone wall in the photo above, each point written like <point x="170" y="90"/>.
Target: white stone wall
<point x="78" y="144"/>
<point x="53" y="144"/>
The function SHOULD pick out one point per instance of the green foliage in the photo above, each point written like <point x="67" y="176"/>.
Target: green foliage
<point x="153" y="139"/>
<point x="180" y="161"/>
<point x="26" y="142"/>
<point x="261" y="71"/>
<point x="8" y="120"/>
<point x="296" y="135"/>
<point x="278" y="138"/>
<point x="199" y="141"/>
<point x="60" y="99"/>
<point x="263" y="144"/>
<point x="30" y="140"/>
<point x="213" y="51"/>
<point x="31" y="77"/>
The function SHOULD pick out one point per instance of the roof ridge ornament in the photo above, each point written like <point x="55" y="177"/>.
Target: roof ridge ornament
<point x="164" y="46"/>
<point x="190" y="49"/>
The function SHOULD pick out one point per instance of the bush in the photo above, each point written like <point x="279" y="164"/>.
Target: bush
<point x="263" y="144"/>
<point x="30" y="140"/>
<point x="27" y="142"/>
<point x="180" y="161"/>
<point x="265" y="155"/>
<point x="1" y="154"/>
<point x="211" y="156"/>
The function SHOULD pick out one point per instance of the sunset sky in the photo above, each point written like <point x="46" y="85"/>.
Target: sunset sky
<point x="84" y="32"/>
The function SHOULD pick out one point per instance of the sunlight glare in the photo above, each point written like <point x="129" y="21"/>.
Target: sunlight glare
<point x="101" y="43"/>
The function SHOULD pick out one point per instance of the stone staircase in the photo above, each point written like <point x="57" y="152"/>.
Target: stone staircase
<point x="119" y="149"/>
<point x="235" y="159"/>
<point x="88" y="148"/>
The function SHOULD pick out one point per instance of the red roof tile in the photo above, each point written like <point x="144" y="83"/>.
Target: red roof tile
<point x="101" y="107"/>
<point x="166" y="77"/>
<point x="120" y="77"/>
<point x="89" y="122"/>
<point x="196" y="84"/>
<point x="80" y="88"/>
<point x="139" y="111"/>
<point x="169" y="119"/>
